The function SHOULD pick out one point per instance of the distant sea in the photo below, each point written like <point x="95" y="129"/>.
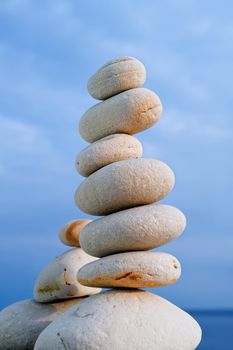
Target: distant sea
<point x="217" y="328"/>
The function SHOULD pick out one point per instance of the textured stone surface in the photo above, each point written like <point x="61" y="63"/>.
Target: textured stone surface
<point x="139" y="228"/>
<point x="120" y="320"/>
<point x="22" y="322"/>
<point x="133" y="270"/>
<point x="118" y="75"/>
<point x="69" y="234"/>
<point x="58" y="280"/>
<point x="128" y="112"/>
<point x="108" y="150"/>
<point x="124" y="184"/>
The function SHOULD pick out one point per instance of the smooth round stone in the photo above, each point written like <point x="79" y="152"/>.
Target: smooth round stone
<point x="122" y="319"/>
<point x="139" y="228"/>
<point x="131" y="270"/>
<point x="70" y="233"/>
<point x="117" y="75"/>
<point x="58" y="280"/>
<point x="128" y="112"/>
<point x="22" y="322"/>
<point x="123" y="185"/>
<point x="108" y="150"/>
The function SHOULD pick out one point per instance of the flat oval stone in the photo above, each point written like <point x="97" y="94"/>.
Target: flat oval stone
<point x="123" y="185"/>
<point x="108" y="150"/>
<point x="128" y="112"/>
<point x="69" y="234"/>
<point x="22" y="322"/>
<point x="131" y="270"/>
<point x="139" y="228"/>
<point x="58" y="280"/>
<point x="117" y="75"/>
<point x="122" y="319"/>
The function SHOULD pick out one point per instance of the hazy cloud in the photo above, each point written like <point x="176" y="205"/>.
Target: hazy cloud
<point x="47" y="52"/>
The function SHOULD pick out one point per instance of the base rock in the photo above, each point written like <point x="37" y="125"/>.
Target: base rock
<point x="120" y="320"/>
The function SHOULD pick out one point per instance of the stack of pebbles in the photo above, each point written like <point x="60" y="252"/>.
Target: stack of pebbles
<point x="56" y="290"/>
<point x="122" y="187"/>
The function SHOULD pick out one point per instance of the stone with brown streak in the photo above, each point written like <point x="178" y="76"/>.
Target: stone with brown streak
<point x="131" y="270"/>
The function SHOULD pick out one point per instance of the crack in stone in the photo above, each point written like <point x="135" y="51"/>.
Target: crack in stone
<point x="84" y="316"/>
<point x="133" y="275"/>
<point x="62" y="341"/>
<point x="65" y="278"/>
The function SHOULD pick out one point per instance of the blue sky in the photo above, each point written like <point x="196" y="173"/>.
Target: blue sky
<point x="48" y="50"/>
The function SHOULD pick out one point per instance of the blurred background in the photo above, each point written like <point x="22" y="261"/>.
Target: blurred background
<point x="48" y="50"/>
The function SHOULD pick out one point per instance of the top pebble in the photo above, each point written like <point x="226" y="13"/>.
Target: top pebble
<point x="116" y="76"/>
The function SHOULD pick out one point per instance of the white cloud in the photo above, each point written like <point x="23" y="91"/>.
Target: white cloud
<point x="39" y="94"/>
<point x="22" y="137"/>
<point x="26" y="151"/>
<point x="176" y="122"/>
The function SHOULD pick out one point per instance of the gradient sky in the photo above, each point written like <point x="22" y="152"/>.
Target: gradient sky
<point x="48" y="50"/>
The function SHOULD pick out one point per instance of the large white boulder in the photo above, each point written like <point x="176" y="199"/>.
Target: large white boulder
<point x="120" y="320"/>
